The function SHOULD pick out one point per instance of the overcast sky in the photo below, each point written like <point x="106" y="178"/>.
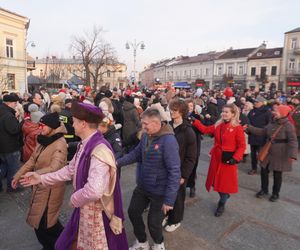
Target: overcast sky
<point x="168" y="28"/>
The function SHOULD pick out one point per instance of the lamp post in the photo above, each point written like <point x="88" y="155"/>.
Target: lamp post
<point x="31" y="44"/>
<point x="135" y="46"/>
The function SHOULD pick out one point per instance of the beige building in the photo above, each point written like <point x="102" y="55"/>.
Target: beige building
<point x="290" y="73"/>
<point x="13" y="63"/>
<point x="54" y="71"/>
<point x="264" y="69"/>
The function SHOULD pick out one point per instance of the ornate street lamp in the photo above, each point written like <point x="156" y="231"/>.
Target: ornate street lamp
<point x="31" y="44"/>
<point x="135" y="46"/>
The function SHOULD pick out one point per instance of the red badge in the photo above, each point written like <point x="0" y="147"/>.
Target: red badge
<point x="156" y="146"/>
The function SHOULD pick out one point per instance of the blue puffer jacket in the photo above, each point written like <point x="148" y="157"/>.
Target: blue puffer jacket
<point x="158" y="164"/>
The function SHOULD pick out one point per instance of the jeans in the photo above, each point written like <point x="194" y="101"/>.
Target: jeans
<point x="9" y="165"/>
<point x="139" y="202"/>
<point x="264" y="175"/>
<point x="254" y="151"/>
<point x="223" y="197"/>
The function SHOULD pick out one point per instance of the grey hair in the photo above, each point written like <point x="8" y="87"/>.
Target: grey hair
<point x="151" y="113"/>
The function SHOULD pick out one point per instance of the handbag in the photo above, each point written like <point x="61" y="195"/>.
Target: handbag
<point x="226" y="155"/>
<point x="266" y="148"/>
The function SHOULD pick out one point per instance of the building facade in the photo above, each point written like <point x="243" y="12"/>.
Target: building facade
<point x="13" y="63"/>
<point x="60" y="70"/>
<point x="290" y="70"/>
<point x="264" y="69"/>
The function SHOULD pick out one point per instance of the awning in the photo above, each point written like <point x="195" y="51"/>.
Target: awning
<point x="293" y="84"/>
<point x="182" y="85"/>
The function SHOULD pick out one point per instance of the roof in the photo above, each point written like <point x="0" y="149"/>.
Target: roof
<point x="13" y="13"/>
<point x="210" y="56"/>
<point x="236" y="53"/>
<point x="267" y="53"/>
<point x="293" y="31"/>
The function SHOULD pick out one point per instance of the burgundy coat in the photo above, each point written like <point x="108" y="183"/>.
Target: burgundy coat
<point x="223" y="177"/>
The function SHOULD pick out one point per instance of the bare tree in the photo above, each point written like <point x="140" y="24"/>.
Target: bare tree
<point x="3" y="77"/>
<point x="98" y="57"/>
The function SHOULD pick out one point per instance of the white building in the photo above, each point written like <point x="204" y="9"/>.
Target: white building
<point x="264" y="68"/>
<point x="231" y="67"/>
<point x="290" y="70"/>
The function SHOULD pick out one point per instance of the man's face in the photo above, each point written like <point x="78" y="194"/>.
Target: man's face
<point x="12" y="105"/>
<point x="37" y="99"/>
<point x="151" y="125"/>
<point x="258" y="104"/>
<point x="79" y="126"/>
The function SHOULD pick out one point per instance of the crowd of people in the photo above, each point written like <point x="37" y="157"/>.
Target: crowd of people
<point x="88" y="137"/>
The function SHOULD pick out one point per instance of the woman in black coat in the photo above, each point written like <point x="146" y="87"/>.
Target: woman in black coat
<point x="186" y="139"/>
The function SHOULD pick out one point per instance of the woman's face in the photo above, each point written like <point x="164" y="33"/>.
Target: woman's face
<point x="191" y="106"/>
<point x="175" y="114"/>
<point x="275" y="112"/>
<point x="45" y="129"/>
<point x="227" y="115"/>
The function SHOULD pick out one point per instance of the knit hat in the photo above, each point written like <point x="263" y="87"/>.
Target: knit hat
<point x="51" y="120"/>
<point x="259" y="98"/>
<point x="12" y="97"/>
<point x="35" y="114"/>
<point x="284" y="110"/>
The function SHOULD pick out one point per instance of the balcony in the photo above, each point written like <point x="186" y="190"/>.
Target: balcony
<point x="30" y="65"/>
<point x="293" y="72"/>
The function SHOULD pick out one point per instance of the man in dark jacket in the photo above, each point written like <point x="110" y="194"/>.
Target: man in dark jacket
<point x="258" y="117"/>
<point x="10" y="142"/>
<point x="158" y="178"/>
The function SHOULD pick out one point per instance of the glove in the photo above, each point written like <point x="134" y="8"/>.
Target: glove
<point x="191" y="118"/>
<point x="232" y="161"/>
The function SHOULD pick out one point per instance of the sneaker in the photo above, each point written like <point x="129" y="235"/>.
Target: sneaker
<point x="252" y="172"/>
<point x="274" y="197"/>
<point x="140" y="246"/>
<point x="261" y="194"/>
<point x="165" y="221"/>
<point x="173" y="227"/>
<point x="160" y="246"/>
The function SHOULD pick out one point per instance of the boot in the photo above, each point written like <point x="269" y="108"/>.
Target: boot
<point x="193" y="192"/>
<point x="220" y="209"/>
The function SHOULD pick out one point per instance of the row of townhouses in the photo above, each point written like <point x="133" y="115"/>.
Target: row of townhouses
<point x="260" y="67"/>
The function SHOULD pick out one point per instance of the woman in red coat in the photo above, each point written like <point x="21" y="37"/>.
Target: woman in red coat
<point x="228" y="150"/>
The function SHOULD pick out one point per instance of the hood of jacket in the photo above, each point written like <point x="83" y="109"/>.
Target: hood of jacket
<point x="128" y="106"/>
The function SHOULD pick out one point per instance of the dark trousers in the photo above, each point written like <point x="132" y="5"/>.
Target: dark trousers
<point x="9" y="165"/>
<point x="139" y="202"/>
<point x="254" y="151"/>
<point x="223" y="197"/>
<point x="176" y="215"/>
<point x="48" y="236"/>
<point x="264" y="175"/>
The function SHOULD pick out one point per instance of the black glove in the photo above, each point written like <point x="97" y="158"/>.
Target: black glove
<point x="191" y="118"/>
<point x="232" y="161"/>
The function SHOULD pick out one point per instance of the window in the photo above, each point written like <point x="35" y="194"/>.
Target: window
<point x="9" y="48"/>
<point x="253" y="71"/>
<point x="273" y="70"/>
<point x="207" y="71"/>
<point x="263" y="72"/>
<point x="108" y="73"/>
<point x="230" y="71"/>
<point x="259" y="54"/>
<point x="11" y="81"/>
<point x="195" y="72"/>
<point x="185" y="73"/>
<point x="200" y="72"/>
<point x="292" y="64"/>
<point x="294" y="43"/>
<point x="241" y="70"/>
<point x="219" y="71"/>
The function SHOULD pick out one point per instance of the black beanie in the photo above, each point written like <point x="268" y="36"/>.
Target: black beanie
<point x="12" y="97"/>
<point x="51" y="120"/>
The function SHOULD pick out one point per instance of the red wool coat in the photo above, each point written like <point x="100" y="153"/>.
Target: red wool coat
<point x="223" y="177"/>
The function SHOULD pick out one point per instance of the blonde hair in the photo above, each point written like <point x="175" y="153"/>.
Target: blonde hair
<point x="235" y="121"/>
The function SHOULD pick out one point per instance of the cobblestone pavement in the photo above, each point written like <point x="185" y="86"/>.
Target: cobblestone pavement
<point x="248" y="222"/>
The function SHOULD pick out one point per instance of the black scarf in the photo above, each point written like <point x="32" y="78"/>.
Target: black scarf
<point x="47" y="140"/>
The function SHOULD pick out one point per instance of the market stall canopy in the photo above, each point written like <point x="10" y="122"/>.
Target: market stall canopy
<point x="182" y="85"/>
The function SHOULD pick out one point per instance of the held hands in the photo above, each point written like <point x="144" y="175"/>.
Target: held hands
<point x="165" y="208"/>
<point x="207" y="116"/>
<point x="30" y="178"/>
<point x="14" y="184"/>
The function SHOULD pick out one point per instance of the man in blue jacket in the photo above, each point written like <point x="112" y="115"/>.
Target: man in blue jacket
<point x="158" y="178"/>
